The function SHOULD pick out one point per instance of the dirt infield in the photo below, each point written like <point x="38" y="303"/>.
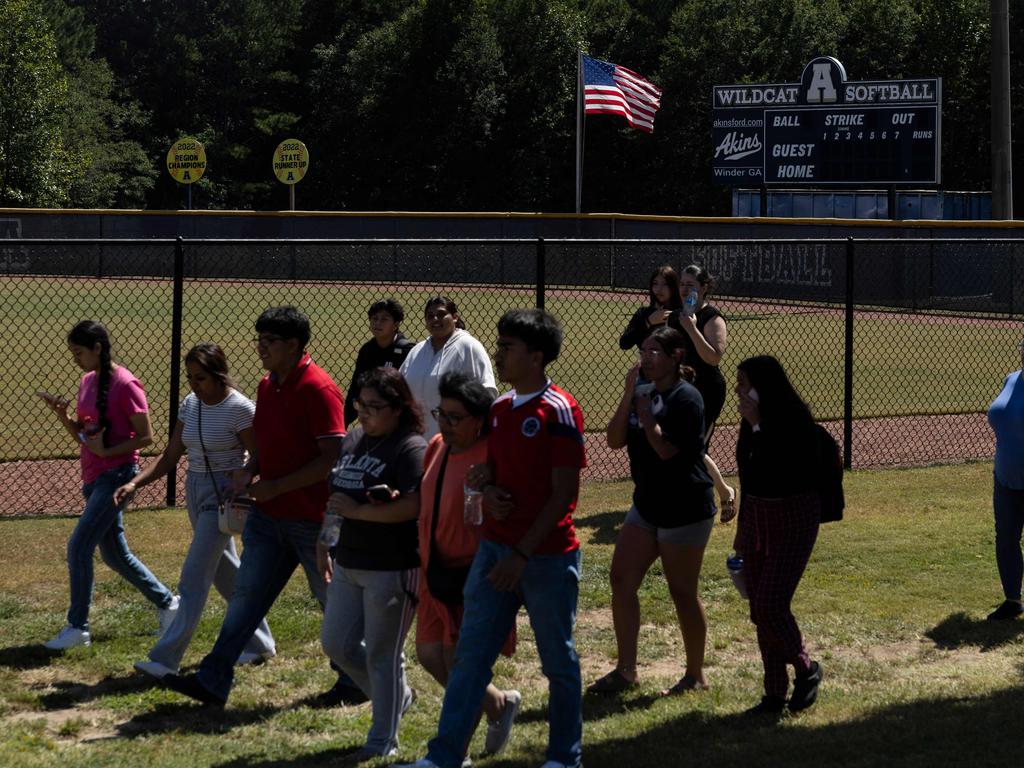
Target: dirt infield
<point x="922" y="440"/>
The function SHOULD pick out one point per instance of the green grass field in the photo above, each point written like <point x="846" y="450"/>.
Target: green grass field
<point x="892" y="604"/>
<point x="903" y="366"/>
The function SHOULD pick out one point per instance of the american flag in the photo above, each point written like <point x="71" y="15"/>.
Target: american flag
<point x="613" y="90"/>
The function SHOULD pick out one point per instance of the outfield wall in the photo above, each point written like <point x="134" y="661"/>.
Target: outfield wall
<point x="35" y="223"/>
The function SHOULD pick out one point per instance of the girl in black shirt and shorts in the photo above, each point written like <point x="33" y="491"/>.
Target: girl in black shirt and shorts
<point x="661" y="424"/>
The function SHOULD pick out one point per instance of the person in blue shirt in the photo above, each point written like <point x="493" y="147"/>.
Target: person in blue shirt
<point x="1006" y="417"/>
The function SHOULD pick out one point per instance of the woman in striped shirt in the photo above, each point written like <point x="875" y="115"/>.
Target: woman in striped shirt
<point x="215" y="427"/>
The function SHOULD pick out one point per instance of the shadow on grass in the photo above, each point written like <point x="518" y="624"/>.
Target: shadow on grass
<point x="340" y="756"/>
<point x="193" y="718"/>
<point x="606" y="526"/>
<point x="27" y="656"/>
<point x="596" y="707"/>
<point x="958" y="630"/>
<point x="969" y="731"/>
<point x="70" y="693"/>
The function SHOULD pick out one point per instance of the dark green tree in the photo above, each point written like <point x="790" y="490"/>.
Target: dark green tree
<point x="115" y="171"/>
<point x="36" y="168"/>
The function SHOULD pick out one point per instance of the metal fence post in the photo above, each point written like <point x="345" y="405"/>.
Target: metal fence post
<point x="177" y="302"/>
<point x="541" y="258"/>
<point x="848" y="361"/>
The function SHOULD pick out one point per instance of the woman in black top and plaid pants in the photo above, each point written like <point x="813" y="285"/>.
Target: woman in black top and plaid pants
<point x="778" y="523"/>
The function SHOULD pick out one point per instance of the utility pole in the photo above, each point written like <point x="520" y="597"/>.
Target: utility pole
<point x="1002" y="175"/>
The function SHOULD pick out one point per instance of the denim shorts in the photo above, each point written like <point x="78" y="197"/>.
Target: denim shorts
<point x="690" y="535"/>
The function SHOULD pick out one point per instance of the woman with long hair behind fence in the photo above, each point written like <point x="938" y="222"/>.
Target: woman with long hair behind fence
<point x="661" y="423"/>
<point x="111" y="424"/>
<point x="215" y="426"/>
<point x="664" y="300"/>
<point x="778" y="449"/>
<point x="704" y="330"/>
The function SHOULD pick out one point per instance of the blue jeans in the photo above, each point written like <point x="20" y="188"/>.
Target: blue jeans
<point x="549" y="589"/>
<point x="1008" y="504"/>
<point x="102" y="525"/>
<point x="272" y="550"/>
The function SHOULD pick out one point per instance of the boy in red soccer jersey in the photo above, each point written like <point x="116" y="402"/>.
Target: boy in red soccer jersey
<point x="529" y="554"/>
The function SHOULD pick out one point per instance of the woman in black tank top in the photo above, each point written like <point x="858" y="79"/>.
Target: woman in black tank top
<point x="705" y="332"/>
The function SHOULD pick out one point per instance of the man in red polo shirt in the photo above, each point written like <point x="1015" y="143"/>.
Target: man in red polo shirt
<point x="299" y="425"/>
<point x="529" y="555"/>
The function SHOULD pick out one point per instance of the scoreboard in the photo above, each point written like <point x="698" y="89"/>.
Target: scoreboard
<point x="872" y="145"/>
<point x="827" y="131"/>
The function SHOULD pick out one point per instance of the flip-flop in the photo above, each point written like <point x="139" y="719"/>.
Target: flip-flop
<point x="728" y="511"/>
<point x="613" y="682"/>
<point x="686" y="684"/>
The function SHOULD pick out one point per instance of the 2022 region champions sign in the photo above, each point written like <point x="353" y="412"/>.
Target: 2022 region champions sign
<point x="825" y="130"/>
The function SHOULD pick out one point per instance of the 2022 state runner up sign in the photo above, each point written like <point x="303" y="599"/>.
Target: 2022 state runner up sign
<point x="825" y="130"/>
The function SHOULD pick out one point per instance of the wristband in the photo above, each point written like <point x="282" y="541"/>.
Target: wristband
<point x="520" y="552"/>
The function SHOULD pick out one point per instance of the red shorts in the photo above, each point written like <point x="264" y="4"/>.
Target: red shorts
<point x="438" y="622"/>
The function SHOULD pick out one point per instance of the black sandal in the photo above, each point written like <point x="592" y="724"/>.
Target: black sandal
<point x="686" y="684"/>
<point x="613" y="682"/>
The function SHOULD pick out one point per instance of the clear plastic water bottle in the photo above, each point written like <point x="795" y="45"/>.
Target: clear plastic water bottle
<point x="690" y="302"/>
<point x="473" y="506"/>
<point x="734" y="563"/>
<point x="330" y="534"/>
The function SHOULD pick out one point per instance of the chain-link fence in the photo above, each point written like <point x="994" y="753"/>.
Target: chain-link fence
<point x="899" y="344"/>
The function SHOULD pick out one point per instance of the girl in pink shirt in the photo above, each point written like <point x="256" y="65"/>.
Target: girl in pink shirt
<point x="111" y="425"/>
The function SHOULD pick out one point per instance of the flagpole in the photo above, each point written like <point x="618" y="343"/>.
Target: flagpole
<point x="579" y="130"/>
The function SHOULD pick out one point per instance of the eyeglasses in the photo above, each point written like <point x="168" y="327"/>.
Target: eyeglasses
<point x="655" y="353"/>
<point x="453" y="419"/>
<point x="266" y="339"/>
<point x="370" y="409"/>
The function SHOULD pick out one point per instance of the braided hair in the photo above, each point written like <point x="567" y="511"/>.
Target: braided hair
<point x="89" y="333"/>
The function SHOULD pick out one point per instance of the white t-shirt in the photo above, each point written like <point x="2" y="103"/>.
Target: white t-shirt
<point x="221" y="424"/>
<point x="424" y="367"/>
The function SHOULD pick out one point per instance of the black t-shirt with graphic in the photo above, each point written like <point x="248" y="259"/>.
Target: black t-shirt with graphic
<point x="396" y="461"/>
<point x="672" y="492"/>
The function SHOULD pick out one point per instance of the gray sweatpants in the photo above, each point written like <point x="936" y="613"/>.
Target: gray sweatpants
<point x="211" y="561"/>
<point x="367" y="617"/>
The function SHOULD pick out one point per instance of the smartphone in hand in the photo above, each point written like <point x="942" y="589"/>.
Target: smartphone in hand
<point x="51" y="399"/>
<point x="379" y="493"/>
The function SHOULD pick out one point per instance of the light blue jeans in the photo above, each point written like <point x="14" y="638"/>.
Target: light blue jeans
<point x="549" y="589"/>
<point x="102" y="525"/>
<point x="211" y="561"/>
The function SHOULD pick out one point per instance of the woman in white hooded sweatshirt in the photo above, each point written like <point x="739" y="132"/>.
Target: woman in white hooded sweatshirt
<point x="448" y="348"/>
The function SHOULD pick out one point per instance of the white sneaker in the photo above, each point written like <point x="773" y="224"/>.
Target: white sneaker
<point x="155" y="669"/>
<point x="499" y="731"/>
<point x="248" y="657"/>
<point x="366" y="754"/>
<point x="165" y="616"/>
<point x="421" y="763"/>
<point x="69" y="637"/>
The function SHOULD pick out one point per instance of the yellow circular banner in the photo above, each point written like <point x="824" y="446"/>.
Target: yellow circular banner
<point x="291" y="161"/>
<point x="186" y="160"/>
